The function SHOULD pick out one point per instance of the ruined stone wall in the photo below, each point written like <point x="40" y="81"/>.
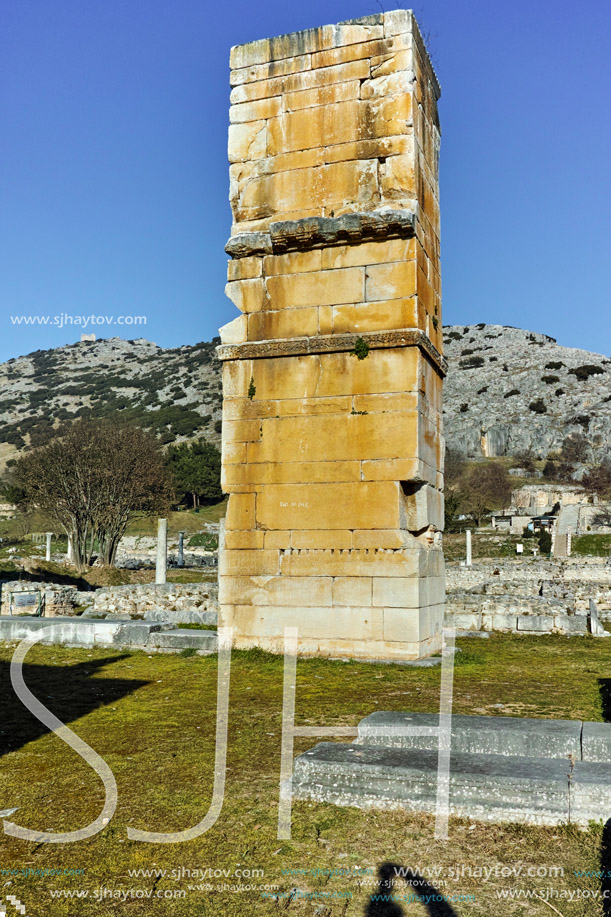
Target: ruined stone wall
<point x="332" y="374"/>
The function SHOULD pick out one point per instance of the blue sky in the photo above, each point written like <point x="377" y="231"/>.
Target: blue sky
<point x="114" y="175"/>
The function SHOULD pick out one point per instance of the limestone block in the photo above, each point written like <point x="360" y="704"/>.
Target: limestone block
<point x="378" y="563"/>
<point x="390" y="281"/>
<point x="331" y="506"/>
<point x="398" y="21"/>
<point x="408" y="592"/>
<point x="332" y="375"/>
<point x="380" y="87"/>
<point x="350" y="624"/>
<point x="248" y="562"/>
<point x="314" y="405"/>
<point x="395" y="313"/>
<point x="391" y="470"/>
<point x="379" y="538"/>
<point x="277" y="539"/>
<point x="320" y="437"/>
<point x="321" y="188"/>
<point x="306" y="41"/>
<point x="398" y="180"/>
<point x="502" y="622"/>
<point x="233" y="453"/>
<point x="277" y="590"/>
<point x="248" y="295"/>
<point x="411" y="625"/>
<point x="387" y="63"/>
<point x="337" y="539"/>
<point x="283" y="323"/>
<point x="325" y="288"/>
<point x="463" y="621"/>
<point x="241" y="431"/>
<point x="352" y="590"/>
<point x="323" y="95"/>
<point x="291" y="473"/>
<point x="423" y="507"/>
<point x="340" y="256"/>
<point x="311" y="79"/>
<point x="355" y="51"/>
<point x="247" y="409"/>
<point x="247" y="141"/>
<point x="293" y="263"/>
<point x="258" y="110"/>
<point x="240" y="512"/>
<point x="238" y="541"/>
<point x="325" y="319"/>
<point x="396" y="401"/>
<point x="234" y="332"/>
<point x="266" y="71"/>
<point x="538" y="623"/>
<point x="245" y="268"/>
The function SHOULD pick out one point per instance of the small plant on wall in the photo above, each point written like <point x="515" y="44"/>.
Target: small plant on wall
<point x="361" y="349"/>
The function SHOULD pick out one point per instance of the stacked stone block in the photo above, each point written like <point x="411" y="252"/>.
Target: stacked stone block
<point x="332" y="373"/>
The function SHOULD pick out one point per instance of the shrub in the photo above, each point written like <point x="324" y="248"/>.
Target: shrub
<point x="514" y="391"/>
<point x="471" y="363"/>
<point x="538" y="406"/>
<point x="584" y="372"/>
<point x="550" y="379"/>
<point x="464" y="408"/>
<point x="554" y="364"/>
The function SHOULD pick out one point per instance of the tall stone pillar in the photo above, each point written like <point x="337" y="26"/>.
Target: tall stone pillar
<point x="332" y="373"/>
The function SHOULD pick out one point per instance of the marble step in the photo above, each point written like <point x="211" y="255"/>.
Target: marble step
<point x="484" y="787"/>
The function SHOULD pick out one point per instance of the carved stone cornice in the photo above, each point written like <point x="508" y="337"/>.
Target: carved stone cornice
<point x="333" y="343"/>
<point x="316" y="232"/>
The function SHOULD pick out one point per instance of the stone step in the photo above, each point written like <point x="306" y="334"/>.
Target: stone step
<point x="496" y="735"/>
<point x="172" y="641"/>
<point x="497" y="788"/>
<point x="181" y="616"/>
<point x="155" y="636"/>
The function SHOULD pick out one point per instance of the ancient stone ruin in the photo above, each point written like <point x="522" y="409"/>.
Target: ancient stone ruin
<point x="332" y="373"/>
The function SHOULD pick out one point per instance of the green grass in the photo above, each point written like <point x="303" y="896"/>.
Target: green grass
<point x="598" y="545"/>
<point x="153" y="721"/>
<point x="188" y="521"/>
<point x="196" y="626"/>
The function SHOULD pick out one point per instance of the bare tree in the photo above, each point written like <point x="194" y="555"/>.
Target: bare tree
<point x="487" y="487"/>
<point x="90" y="479"/>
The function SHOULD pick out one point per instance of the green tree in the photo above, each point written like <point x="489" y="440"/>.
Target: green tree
<point x="196" y="472"/>
<point x="90" y="479"/>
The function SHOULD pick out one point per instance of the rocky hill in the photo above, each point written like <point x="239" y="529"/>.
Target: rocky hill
<point x="507" y="391"/>
<point x="176" y="393"/>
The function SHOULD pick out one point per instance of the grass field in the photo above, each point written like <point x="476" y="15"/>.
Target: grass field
<point x="153" y="720"/>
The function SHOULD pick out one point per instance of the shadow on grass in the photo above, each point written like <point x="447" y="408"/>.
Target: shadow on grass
<point x="604" y="687"/>
<point x="70" y="692"/>
<point x="388" y="875"/>
<point x="41" y="575"/>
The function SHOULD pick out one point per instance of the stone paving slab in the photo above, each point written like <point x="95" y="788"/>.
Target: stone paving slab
<point x="205" y="640"/>
<point x="494" y="788"/>
<point x="84" y="632"/>
<point x="596" y="742"/>
<point x="498" y="735"/>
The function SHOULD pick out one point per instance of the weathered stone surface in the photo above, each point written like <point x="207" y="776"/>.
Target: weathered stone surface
<point x="482" y="787"/>
<point x="331" y="432"/>
<point x="494" y="735"/>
